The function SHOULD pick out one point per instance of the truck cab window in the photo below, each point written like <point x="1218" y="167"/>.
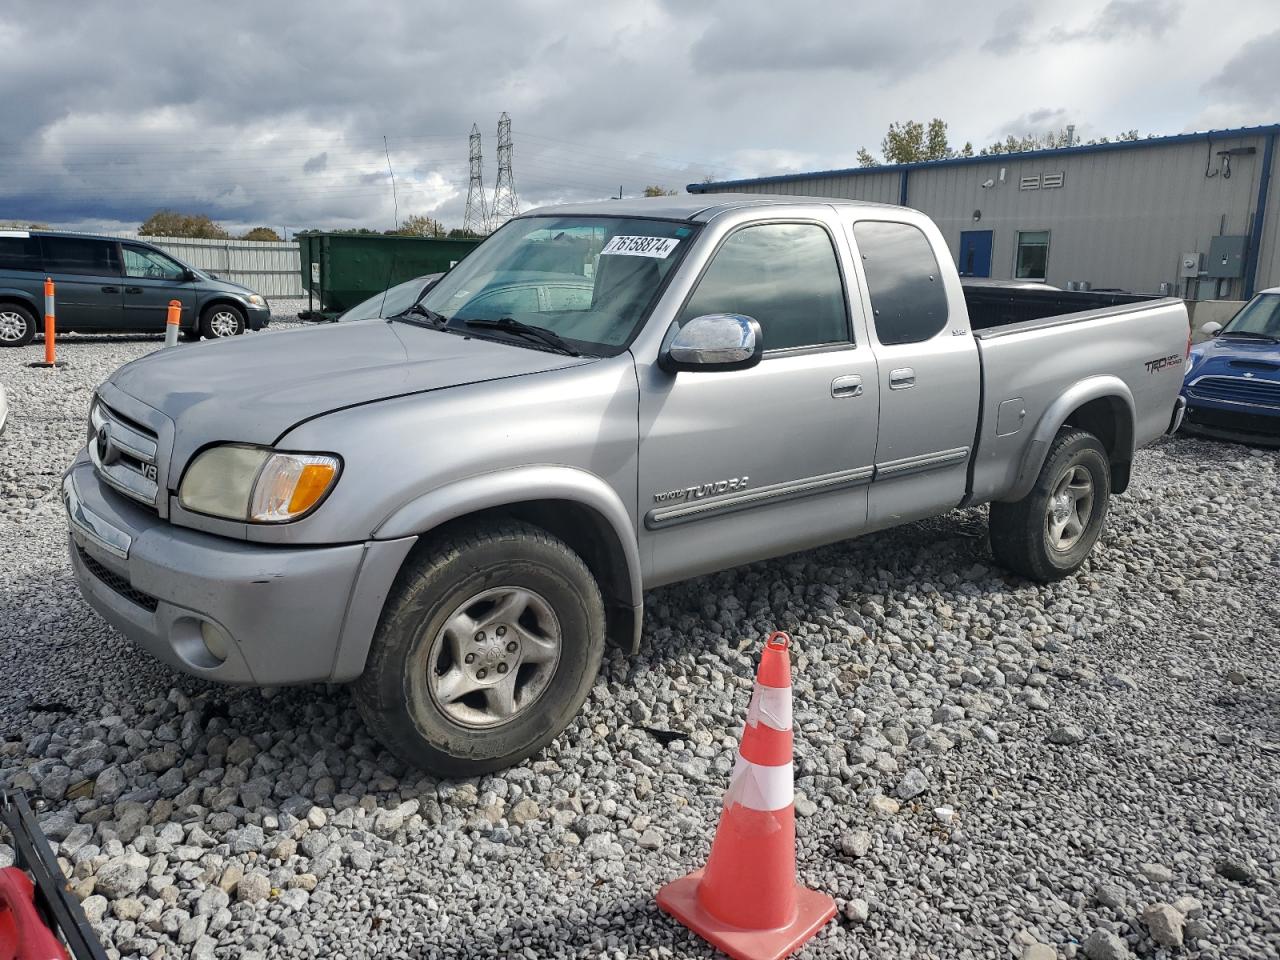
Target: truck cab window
<point x="908" y="300"/>
<point x="784" y="275"/>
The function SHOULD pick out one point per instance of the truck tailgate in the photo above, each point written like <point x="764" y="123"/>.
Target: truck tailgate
<point x="1036" y="373"/>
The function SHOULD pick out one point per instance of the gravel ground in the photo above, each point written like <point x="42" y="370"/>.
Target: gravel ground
<point x="983" y="765"/>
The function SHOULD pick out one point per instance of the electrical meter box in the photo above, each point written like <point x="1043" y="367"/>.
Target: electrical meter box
<point x="1189" y="265"/>
<point x="1226" y="257"/>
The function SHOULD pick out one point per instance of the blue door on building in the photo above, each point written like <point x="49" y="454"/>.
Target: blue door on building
<point x="975" y="253"/>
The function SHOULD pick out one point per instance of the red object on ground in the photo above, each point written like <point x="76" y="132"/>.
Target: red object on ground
<point x="746" y="901"/>
<point x="23" y="935"/>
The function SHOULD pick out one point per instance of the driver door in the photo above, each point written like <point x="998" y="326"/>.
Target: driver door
<point x="745" y="464"/>
<point x="151" y="280"/>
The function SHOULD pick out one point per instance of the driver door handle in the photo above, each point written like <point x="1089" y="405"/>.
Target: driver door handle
<point x="850" y="386"/>
<point x="110" y="289"/>
<point x="904" y="378"/>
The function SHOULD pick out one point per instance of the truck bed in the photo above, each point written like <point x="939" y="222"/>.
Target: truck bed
<point x="997" y="305"/>
<point x="1040" y="348"/>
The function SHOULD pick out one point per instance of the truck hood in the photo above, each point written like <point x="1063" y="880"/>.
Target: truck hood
<point x="252" y="389"/>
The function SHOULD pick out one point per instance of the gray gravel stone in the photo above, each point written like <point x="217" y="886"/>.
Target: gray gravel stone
<point x="1105" y="945"/>
<point x="1164" y="923"/>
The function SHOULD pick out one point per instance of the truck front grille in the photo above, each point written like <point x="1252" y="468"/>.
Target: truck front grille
<point x="124" y="454"/>
<point x="1245" y="391"/>
<point x="119" y="584"/>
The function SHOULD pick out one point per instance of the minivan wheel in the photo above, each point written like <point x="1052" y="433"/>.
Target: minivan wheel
<point x="1048" y="533"/>
<point x="17" y="325"/>
<point x="221" y="320"/>
<point x="487" y="647"/>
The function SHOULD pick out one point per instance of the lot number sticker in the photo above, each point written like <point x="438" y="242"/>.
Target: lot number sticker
<point x="659" y="247"/>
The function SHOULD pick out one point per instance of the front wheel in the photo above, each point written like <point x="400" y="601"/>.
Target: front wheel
<point x="1048" y="533"/>
<point x="221" y="320"/>
<point x="487" y="648"/>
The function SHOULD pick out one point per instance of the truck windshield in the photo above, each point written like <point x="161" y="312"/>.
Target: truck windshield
<point x="1260" y="317"/>
<point x="589" y="280"/>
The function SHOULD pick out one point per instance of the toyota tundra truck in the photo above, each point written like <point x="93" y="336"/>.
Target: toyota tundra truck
<point x="454" y="508"/>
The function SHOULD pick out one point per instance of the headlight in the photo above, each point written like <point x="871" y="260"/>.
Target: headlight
<point x="254" y="484"/>
<point x="256" y="300"/>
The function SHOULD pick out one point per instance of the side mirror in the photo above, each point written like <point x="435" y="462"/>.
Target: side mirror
<point x="1211" y="329"/>
<point x="188" y="275"/>
<point x="714" y="341"/>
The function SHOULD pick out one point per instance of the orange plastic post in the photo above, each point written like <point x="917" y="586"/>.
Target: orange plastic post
<point x="50" y="335"/>
<point x="171" y="323"/>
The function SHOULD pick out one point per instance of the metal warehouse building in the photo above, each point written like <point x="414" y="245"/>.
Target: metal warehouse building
<point x="1192" y="215"/>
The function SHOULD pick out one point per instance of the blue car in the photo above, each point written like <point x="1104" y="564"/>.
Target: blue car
<point x="1232" y="386"/>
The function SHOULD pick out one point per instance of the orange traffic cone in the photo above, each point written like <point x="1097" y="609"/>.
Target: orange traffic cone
<point x="746" y="901"/>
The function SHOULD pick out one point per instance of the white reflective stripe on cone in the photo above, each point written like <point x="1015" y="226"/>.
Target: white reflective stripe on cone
<point x="770" y="706"/>
<point x="760" y="788"/>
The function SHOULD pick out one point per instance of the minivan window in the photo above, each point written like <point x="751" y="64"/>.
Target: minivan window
<point x="19" y="253"/>
<point x="908" y="300"/>
<point x="785" y="276"/>
<point x="80" y="255"/>
<point x="141" y="262"/>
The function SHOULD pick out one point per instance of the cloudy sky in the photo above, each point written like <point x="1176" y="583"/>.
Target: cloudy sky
<point x="275" y="112"/>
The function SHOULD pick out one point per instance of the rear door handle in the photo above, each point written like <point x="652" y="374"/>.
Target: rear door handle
<point x="904" y="378"/>
<point x="110" y="289"/>
<point x="850" y="386"/>
<point x="132" y="289"/>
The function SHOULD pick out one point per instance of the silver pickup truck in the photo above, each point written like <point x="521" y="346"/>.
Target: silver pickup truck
<point x="455" y="507"/>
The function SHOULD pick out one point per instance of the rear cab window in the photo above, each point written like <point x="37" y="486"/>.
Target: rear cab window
<point x="904" y="282"/>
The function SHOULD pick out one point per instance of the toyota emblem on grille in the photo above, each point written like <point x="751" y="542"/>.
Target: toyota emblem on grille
<point x="108" y="452"/>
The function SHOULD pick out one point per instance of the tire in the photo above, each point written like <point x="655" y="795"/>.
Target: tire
<point x="1048" y="533"/>
<point x="17" y="325"/>
<point x="220" y="321"/>
<point x="408" y="694"/>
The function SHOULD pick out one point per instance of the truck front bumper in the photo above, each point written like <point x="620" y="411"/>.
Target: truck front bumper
<point x="223" y="609"/>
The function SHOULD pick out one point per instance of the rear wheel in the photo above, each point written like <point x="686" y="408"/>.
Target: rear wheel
<point x="1048" y="533"/>
<point x="487" y="648"/>
<point x="17" y="325"/>
<point x="221" y="320"/>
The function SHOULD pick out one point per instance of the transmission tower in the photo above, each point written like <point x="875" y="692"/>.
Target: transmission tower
<point x="476" y="219"/>
<point x="505" y="205"/>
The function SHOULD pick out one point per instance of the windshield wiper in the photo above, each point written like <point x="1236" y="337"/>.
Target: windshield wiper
<point x="436" y="321"/>
<point x="511" y="325"/>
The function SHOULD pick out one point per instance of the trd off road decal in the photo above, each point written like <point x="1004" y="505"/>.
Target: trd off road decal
<point x="1163" y="363"/>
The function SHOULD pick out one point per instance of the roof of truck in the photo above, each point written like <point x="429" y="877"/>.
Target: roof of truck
<point x="702" y="206"/>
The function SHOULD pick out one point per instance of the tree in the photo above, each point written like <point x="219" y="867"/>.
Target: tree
<point x="418" y="225"/>
<point x="170" y="223"/>
<point x="22" y="225"/>
<point x="910" y="141"/>
<point x="1052" y="140"/>
<point x="656" y="191"/>
<point x="461" y="233"/>
<point x="260" y="233"/>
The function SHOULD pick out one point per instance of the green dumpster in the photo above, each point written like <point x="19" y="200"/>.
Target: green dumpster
<point x="340" y="270"/>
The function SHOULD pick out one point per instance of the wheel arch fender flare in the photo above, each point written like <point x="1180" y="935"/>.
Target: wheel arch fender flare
<point x="22" y="297"/>
<point x="1119" y="413"/>
<point x="524" y="485"/>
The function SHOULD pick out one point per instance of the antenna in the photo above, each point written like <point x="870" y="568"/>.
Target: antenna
<point x="394" y="199"/>
<point x="476" y="219"/>
<point x="505" y="205"/>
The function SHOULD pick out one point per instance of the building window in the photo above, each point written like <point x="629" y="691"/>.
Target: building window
<point x="1032" y="262"/>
